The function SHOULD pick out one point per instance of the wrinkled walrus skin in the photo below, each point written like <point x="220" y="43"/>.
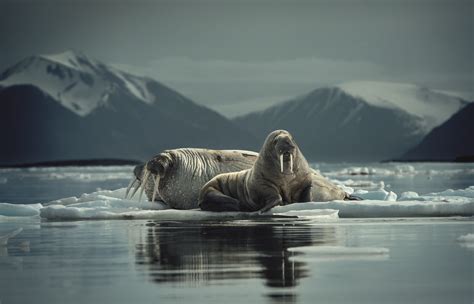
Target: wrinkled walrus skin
<point x="169" y="174"/>
<point x="281" y="175"/>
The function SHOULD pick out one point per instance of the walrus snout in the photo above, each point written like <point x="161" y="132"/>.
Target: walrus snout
<point x="285" y="150"/>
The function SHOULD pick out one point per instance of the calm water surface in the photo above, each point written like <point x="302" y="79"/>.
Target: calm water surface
<point x="236" y="262"/>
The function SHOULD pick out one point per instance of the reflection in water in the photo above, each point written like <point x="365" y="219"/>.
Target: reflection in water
<point x="209" y="253"/>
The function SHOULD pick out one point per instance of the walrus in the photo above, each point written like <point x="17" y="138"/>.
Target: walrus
<point x="176" y="176"/>
<point x="281" y="175"/>
<point x="166" y="177"/>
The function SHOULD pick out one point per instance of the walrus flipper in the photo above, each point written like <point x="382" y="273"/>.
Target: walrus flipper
<point x="214" y="200"/>
<point x="350" y="197"/>
<point x="270" y="205"/>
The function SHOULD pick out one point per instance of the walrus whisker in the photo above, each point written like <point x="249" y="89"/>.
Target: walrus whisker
<point x="130" y="185"/>
<point x="291" y="163"/>
<point x="281" y="162"/>
<point x="144" y="181"/>
<point x="155" y="188"/>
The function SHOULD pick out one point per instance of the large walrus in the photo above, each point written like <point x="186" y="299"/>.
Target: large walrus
<point x="281" y="175"/>
<point x="176" y="176"/>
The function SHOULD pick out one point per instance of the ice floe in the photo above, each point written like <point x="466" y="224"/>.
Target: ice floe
<point x="109" y="204"/>
<point x="7" y="209"/>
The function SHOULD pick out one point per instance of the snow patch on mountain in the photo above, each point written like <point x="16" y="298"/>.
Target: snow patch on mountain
<point x="433" y="106"/>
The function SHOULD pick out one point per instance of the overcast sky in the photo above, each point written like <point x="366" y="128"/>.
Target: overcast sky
<point x="237" y="56"/>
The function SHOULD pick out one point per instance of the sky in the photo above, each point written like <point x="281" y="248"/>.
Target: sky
<point x="240" y="56"/>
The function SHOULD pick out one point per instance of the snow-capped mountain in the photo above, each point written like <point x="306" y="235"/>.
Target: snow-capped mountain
<point x="68" y="106"/>
<point x="431" y="106"/>
<point x="357" y="121"/>
<point x="449" y="141"/>
<point x="79" y="83"/>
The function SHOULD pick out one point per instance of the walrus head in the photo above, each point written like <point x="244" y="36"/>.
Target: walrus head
<point x="280" y="145"/>
<point x="159" y="164"/>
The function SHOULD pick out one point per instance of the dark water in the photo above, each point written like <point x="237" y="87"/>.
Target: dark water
<point x="236" y="262"/>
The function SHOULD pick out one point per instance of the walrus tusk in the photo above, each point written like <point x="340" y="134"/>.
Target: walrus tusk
<point x="130" y="186"/>
<point x="135" y="190"/>
<point x="139" y="184"/>
<point x="144" y="181"/>
<point x="291" y="163"/>
<point x="155" y="188"/>
<point x="281" y="162"/>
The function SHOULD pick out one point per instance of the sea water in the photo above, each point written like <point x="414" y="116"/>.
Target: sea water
<point x="269" y="260"/>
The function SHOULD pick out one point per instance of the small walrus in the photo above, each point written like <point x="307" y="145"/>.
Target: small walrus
<point x="281" y="175"/>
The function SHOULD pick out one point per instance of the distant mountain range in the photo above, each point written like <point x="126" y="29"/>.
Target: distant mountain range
<point x="357" y="121"/>
<point x="68" y="106"/>
<point x="452" y="140"/>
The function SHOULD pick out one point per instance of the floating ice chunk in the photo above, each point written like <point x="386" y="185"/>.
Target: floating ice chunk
<point x="380" y="208"/>
<point x="5" y="237"/>
<point x="332" y="253"/>
<point x="379" y="194"/>
<point x="409" y="195"/>
<point x="468" y="192"/>
<point x="7" y="209"/>
<point x="455" y="196"/>
<point x="305" y="210"/>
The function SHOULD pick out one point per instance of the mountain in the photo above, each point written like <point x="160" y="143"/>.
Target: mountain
<point x="356" y="121"/>
<point x="68" y="106"/>
<point x="453" y="139"/>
